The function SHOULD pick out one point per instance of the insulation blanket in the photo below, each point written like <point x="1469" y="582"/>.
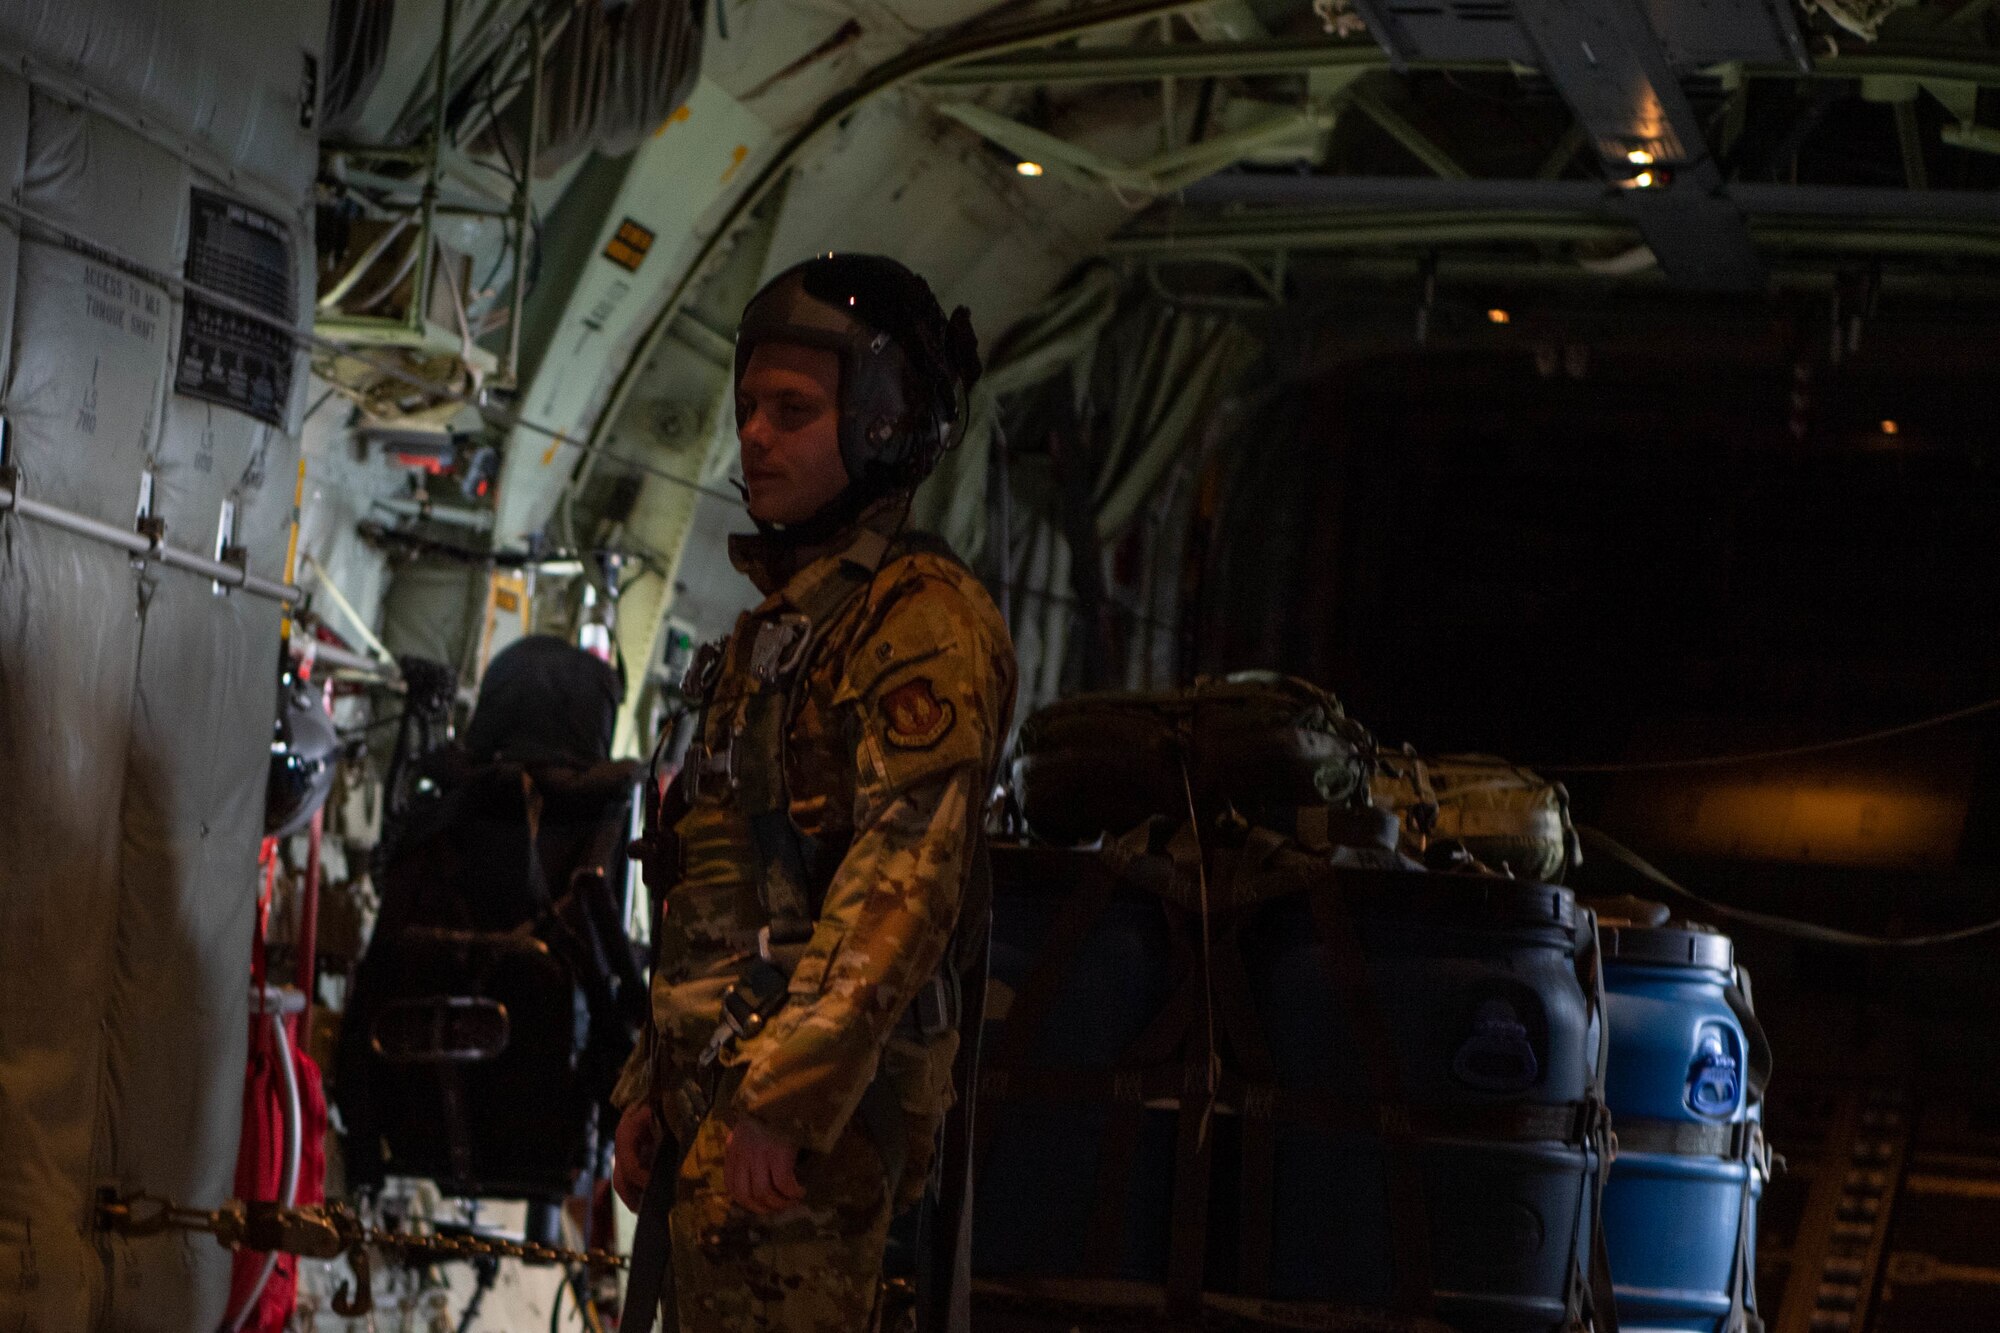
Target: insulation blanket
<point x="136" y="701"/>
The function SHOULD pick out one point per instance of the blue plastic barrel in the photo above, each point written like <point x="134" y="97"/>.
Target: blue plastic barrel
<point x="1041" y="1159"/>
<point x="1477" y="982"/>
<point x="1467" y="993"/>
<point x="1680" y="1206"/>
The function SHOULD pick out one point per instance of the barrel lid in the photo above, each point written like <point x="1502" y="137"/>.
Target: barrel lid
<point x="1682" y="945"/>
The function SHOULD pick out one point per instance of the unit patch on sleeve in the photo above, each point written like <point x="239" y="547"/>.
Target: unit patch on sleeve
<point x="917" y="718"/>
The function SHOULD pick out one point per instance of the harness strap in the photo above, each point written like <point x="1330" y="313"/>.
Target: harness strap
<point x="882" y="1115"/>
<point x="768" y="653"/>
<point x="791" y="866"/>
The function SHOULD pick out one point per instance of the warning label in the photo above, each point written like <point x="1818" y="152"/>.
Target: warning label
<point x="628" y="245"/>
<point x="227" y="356"/>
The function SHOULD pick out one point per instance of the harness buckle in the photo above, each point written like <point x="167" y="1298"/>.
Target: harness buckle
<point x="740" y="1016"/>
<point x="932" y="1008"/>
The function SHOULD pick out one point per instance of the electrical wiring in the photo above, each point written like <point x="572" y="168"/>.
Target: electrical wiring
<point x="1810" y="931"/>
<point x="1787" y="752"/>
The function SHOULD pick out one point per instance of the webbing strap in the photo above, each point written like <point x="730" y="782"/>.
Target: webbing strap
<point x="1036" y="997"/>
<point x="1409" y="1223"/>
<point x="767" y="655"/>
<point x="1679" y="1138"/>
<point x="1123" y="1304"/>
<point x="1742" y="1290"/>
<point x="882" y="1115"/>
<point x="1591" y="1288"/>
<point x="1237" y="1011"/>
<point x="1164" y="1086"/>
<point x="1119" y="1147"/>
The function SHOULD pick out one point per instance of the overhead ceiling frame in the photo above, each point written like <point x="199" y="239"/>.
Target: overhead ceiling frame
<point x="1700" y="226"/>
<point x="1252" y="59"/>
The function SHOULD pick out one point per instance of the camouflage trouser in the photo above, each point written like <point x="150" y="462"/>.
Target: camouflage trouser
<point x="816" y="1268"/>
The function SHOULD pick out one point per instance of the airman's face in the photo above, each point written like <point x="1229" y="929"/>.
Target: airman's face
<point x="788" y="426"/>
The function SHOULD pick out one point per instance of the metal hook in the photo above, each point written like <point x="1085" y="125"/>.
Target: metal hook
<point x="358" y="1299"/>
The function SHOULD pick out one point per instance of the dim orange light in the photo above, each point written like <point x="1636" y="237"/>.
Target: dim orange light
<point x="1498" y="316"/>
<point x="1890" y="428"/>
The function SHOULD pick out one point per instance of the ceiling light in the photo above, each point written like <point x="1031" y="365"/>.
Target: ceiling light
<point x="1028" y="168"/>
<point x="1890" y="428"/>
<point x="1497" y="316"/>
<point x="1644" y="180"/>
<point x="1639" y="157"/>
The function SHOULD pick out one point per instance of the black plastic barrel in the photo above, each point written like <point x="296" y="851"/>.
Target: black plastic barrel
<point x="1400" y="1119"/>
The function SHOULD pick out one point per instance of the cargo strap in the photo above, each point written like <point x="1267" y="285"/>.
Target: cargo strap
<point x="1113" y="1303"/>
<point x="1593" y="1300"/>
<point x="1164" y="1087"/>
<point x="1163" y="1071"/>
<point x="1681" y="1138"/>
<point x="1257" y="1096"/>
<point x="1742" y="1291"/>
<point x="1409" y="1221"/>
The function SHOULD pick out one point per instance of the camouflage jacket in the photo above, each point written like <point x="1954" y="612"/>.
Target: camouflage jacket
<point x="894" y="733"/>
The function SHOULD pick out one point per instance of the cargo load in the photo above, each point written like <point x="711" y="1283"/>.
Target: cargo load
<point x="1256" y="742"/>
<point x="1478" y="810"/>
<point x="1231" y="1076"/>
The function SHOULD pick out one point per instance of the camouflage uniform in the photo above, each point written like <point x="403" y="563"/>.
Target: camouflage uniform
<point x="895" y="726"/>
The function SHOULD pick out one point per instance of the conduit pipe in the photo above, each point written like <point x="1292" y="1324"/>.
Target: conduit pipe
<point x="140" y="544"/>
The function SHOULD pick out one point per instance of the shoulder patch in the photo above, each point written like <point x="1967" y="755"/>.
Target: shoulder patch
<point x="916" y="718"/>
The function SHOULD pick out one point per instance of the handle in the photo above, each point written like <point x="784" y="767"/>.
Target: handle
<point x="1715" y="1080"/>
<point x="1497" y="1055"/>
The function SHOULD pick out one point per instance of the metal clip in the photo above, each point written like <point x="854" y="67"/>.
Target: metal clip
<point x="704" y="761"/>
<point x="702" y="672"/>
<point x="780" y="643"/>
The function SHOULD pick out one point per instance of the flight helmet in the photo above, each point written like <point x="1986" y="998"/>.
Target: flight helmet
<point x="906" y="367"/>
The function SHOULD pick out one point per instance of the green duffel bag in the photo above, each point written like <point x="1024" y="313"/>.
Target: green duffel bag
<point x="1512" y="821"/>
<point x="1254" y="741"/>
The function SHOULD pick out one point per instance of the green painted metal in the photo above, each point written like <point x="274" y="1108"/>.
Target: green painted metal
<point x="1158" y="174"/>
<point x="1419" y="144"/>
<point x="1194" y="60"/>
<point x="1116" y="64"/>
<point x="1367" y="231"/>
<point x="1233" y="236"/>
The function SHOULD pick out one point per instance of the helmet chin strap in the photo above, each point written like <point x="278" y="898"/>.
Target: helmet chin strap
<point x="829" y="521"/>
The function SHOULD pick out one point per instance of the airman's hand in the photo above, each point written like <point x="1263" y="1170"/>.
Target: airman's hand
<point x="638" y="1141"/>
<point x="760" y="1169"/>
